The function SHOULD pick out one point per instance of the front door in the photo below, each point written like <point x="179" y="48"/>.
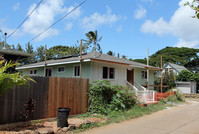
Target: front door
<point x="130" y="76"/>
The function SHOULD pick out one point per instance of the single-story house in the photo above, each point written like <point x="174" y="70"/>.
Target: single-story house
<point x="95" y="66"/>
<point x="170" y="67"/>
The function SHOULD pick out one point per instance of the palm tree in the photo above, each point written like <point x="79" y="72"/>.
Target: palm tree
<point x="92" y="39"/>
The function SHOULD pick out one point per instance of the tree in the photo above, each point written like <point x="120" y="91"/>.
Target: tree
<point x="29" y="49"/>
<point x="168" y="80"/>
<point x="40" y="54"/>
<point x="186" y="75"/>
<point x="175" y="55"/>
<point x="195" y="6"/>
<point x="92" y="39"/>
<point x="111" y="53"/>
<point x="19" y="47"/>
<point x="143" y="61"/>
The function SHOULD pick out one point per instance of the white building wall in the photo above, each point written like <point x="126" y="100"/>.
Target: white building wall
<point x="120" y="72"/>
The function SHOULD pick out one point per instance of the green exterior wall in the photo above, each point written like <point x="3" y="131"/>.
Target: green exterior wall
<point x="139" y="79"/>
<point x="68" y="70"/>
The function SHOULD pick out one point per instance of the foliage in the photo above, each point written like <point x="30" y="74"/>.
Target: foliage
<point x="177" y="97"/>
<point x="8" y="79"/>
<point x="195" y="6"/>
<point x="19" y="48"/>
<point x="111" y="53"/>
<point x="168" y="80"/>
<point x="123" y="99"/>
<point x="186" y="75"/>
<point x="28" y="109"/>
<point x="92" y="41"/>
<point x="143" y="61"/>
<point x="175" y="55"/>
<point x="104" y="98"/>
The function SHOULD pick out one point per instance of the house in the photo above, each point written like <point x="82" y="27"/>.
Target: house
<point x="95" y="66"/>
<point x="14" y="55"/>
<point x="170" y="67"/>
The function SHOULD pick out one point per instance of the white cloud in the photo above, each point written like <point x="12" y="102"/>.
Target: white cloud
<point x="181" y="25"/>
<point x="43" y="17"/>
<point x="95" y="20"/>
<point x="119" y="29"/>
<point x="75" y="14"/>
<point x="16" y="6"/>
<point x="68" y="26"/>
<point x="159" y="27"/>
<point x="147" y="1"/>
<point x="140" y="13"/>
<point x="190" y="44"/>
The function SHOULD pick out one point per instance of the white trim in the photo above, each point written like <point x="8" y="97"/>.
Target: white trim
<point x="52" y="64"/>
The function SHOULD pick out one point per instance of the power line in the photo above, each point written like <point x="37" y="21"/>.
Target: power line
<point x="58" y="20"/>
<point x="25" y="19"/>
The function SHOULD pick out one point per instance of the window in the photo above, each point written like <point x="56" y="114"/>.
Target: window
<point x="108" y="73"/>
<point x="77" y="71"/>
<point x="144" y="74"/>
<point x="111" y="73"/>
<point x="49" y="72"/>
<point x="33" y="72"/>
<point x="61" y="69"/>
<point x="105" y="72"/>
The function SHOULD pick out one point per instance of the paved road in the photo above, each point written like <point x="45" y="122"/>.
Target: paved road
<point x="183" y="119"/>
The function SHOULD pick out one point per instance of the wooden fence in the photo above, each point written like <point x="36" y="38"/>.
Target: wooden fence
<point x="49" y="93"/>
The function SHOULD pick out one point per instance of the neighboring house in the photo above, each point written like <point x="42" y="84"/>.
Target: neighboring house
<point x="170" y="67"/>
<point x="14" y="55"/>
<point x="95" y="66"/>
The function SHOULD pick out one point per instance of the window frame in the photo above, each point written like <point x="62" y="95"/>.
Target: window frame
<point x="33" y="72"/>
<point x="60" y="71"/>
<point x="75" y="69"/>
<point x="108" y="73"/>
<point x="144" y="74"/>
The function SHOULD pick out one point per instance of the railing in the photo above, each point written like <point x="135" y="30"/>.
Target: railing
<point x="138" y="86"/>
<point x="132" y="87"/>
<point x="144" y="96"/>
<point x="147" y="96"/>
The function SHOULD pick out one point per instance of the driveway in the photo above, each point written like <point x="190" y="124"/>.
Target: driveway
<point x="182" y="119"/>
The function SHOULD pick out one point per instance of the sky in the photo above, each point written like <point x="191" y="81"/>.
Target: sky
<point x="127" y="27"/>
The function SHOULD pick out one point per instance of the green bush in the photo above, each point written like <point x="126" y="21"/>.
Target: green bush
<point x="104" y="98"/>
<point x="10" y="79"/>
<point x="168" y="80"/>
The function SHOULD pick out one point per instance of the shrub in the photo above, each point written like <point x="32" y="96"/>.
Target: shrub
<point x="168" y="80"/>
<point x="104" y="98"/>
<point x="10" y="79"/>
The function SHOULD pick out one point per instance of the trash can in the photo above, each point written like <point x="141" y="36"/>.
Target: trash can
<point x="62" y="117"/>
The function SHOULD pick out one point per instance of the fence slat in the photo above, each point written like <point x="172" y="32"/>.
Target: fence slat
<point x="49" y="93"/>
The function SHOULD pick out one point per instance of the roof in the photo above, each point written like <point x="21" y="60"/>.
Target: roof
<point x="14" y="53"/>
<point x="178" y="68"/>
<point x="92" y="56"/>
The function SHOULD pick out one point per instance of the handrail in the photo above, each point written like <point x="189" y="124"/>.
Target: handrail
<point x="131" y="86"/>
<point x="137" y="85"/>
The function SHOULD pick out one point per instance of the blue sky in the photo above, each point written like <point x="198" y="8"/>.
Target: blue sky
<point x="128" y="27"/>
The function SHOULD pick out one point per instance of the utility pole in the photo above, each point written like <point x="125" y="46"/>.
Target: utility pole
<point x="45" y="63"/>
<point x="4" y="47"/>
<point x="161" y="76"/>
<point x="147" y="68"/>
<point x="80" y="67"/>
